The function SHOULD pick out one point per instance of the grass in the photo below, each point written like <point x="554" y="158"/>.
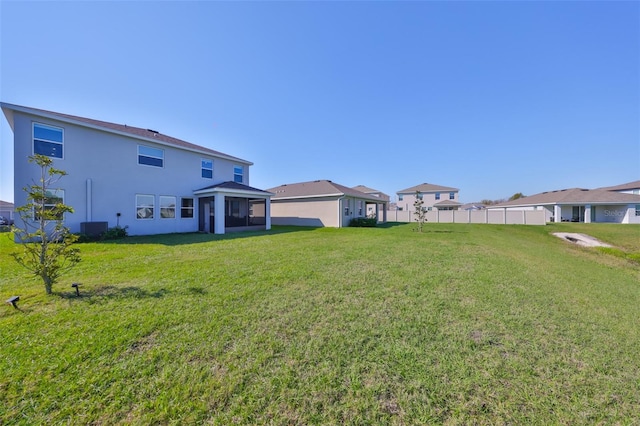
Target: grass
<point x="481" y="324"/>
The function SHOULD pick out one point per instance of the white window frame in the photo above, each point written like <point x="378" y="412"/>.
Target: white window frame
<point x="162" y="199"/>
<point x="203" y="168"/>
<point x="151" y="156"/>
<point x="347" y="206"/>
<point x="437" y="195"/>
<point x="140" y="205"/>
<point x="452" y="195"/>
<point x="184" y="209"/>
<point x="58" y="194"/>
<point x="236" y="174"/>
<point x="33" y="139"/>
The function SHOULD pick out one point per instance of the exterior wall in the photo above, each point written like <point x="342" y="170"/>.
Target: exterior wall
<point x="429" y="199"/>
<point x="110" y="162"/>
<point x="307" y="212"/>
<point x="600" y="213"/>
<point x="355" y="209"/>
<point x="616" y="214"/>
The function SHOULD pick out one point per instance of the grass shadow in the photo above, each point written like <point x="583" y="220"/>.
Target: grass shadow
<point x="200" y="237"/>
<point x="112" y="292"/>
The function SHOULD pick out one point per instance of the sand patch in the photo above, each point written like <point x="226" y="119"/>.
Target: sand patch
<point x="581" y="239"/>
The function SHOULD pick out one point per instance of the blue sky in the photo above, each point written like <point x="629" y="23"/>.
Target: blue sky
<point x="493" y="98"/>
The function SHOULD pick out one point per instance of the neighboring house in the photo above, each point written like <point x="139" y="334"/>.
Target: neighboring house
<point x="371" y="208"/>
<point x="6" y="210"/>
<point x="625" y="188"/>
<point x="472" y="206"/>
<point x="321" y="203"/>
<point x="434" y="197"/>
<point x="140" y="178"/>
<point x="580" y="205"/>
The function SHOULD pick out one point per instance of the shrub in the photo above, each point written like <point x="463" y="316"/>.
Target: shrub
<point x="115" y="233"/>
<point x="363" y="222"/>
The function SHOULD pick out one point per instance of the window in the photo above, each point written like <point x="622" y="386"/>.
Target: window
<point x="144" y="206"/>
<point x="359" y="207"/>
<point x="347" y="206"/>
<point x="207" y="169"/>
<point x="238" y="171"/>
<point x="150" y="156"/>
<point x="399" y="197"/>
<point x="419" y="196"/>
<point x="452" y="195"/>
<point x="167" y="207"/>
<point x="186" y="210"/>
<point x="437" y="195"/>
<point x="637" y="209"/>
<point x="47" y="140"/>
<point x="52" y="198"/>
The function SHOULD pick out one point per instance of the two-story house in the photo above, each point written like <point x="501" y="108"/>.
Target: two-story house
<point x="433" y="196"/>
<point x="129" y="176"/>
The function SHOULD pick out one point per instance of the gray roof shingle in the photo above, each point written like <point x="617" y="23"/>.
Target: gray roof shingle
<point x="317" y="188"/>
<point x="574" y="196"/>
<point x="427" y="187"/>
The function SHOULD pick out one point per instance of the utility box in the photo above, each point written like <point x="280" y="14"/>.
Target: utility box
<point x="93" y="229"/>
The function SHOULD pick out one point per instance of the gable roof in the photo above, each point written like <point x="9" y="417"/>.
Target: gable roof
<point x="573" y="196"/>
<point x="317" y="188"/>
<point x="233" y="186"/>
<point x="6" y="204"/>
<point x="371" y="191"/>
<point x="427" y="187"/>
<point x="623" y="187"/>
<point x="447" y="203"/>
<point x="121" y="129"/>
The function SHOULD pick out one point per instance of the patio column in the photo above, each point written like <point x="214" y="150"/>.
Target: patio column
<point x="557" y="213"/>
<point x="267" y="213"/>
<point x="220" y="214"/>
<point x="587" y="213"/>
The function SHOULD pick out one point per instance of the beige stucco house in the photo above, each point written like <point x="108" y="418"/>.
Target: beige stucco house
<point x="322" y="203"/>
<point x="581" y="205"/>
<point x="434" y="197"/>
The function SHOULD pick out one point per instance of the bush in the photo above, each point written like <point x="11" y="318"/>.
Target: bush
<point x="115" y="233"/>
<point x="363" y="222"/>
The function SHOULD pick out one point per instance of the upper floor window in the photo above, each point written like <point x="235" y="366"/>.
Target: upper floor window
<point x="207" y="169"/>
<point x="452" y="195"/>
<point x="238" y="172"/>
<point x="399" y="197"/>
<point x="437" y="195"/>
<point x="150" y="156"/>
<point x="48" y="140"/>
<point x="419" y="196"/>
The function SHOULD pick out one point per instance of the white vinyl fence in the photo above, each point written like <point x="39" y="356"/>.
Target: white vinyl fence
<point x="505" y="217"/>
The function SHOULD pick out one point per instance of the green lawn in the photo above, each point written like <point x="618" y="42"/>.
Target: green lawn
<point x="462" y="324"/>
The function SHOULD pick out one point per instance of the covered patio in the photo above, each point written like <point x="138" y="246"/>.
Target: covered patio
<point x="233" y="207"/>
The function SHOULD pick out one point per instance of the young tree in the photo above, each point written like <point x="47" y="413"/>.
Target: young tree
<point x="419" y="211"/>
<point x="46" y="243"/>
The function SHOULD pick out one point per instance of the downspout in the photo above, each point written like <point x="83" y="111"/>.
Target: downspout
<point x="340" y="211"/>
<point x="89" y="195"/>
